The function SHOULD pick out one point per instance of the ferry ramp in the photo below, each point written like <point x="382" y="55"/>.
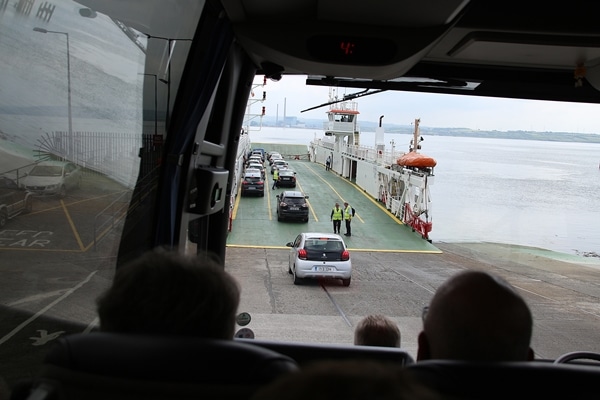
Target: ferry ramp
<point x="254" y="219"/>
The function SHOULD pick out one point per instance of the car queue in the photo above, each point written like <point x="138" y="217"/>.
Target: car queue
<point x="312" y="255"/>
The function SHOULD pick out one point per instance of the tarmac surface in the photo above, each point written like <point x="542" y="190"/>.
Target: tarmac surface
<point x="562" y="291"/>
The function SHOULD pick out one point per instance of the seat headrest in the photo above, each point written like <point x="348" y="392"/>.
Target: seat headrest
<point x="533" y="379"/>
<point x="168" y="358"/>
<point x="305" y="353"/>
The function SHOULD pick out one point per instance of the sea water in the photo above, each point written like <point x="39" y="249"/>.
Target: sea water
<point x="532" y="193"/>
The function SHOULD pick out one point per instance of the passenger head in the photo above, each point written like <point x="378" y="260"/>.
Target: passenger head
<point x="476" y="316"/>
<point x="377" y="330"/>
<point x="347" y="380"/>
<point x="165" y="292"/>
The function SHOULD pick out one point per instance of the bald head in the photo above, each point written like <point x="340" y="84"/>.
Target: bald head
<point x="479" y="317"/>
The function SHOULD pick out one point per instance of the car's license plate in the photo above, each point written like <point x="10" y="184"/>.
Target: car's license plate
<point x="324" y="269"/>
<point x="251" y="187"/>
<point x="294" y="208"/>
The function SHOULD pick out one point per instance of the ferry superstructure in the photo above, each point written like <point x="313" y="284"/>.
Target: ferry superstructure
<point x="402" y="189"/>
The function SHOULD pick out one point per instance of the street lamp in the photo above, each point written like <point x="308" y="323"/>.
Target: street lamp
<point x="42" y="30"/>
<point x="155" y="103"/>
<point x="167" y="81"/>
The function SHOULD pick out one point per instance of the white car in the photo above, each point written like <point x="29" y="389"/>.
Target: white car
<point x="319" y="255"/>
<point x="52" y="178"/>
<point x="278" y="164"/>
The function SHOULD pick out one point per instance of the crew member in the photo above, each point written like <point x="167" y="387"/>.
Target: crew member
<point x="336" y="216"/>
<point x="275" y="178"/>
<point x="348" y="218"/>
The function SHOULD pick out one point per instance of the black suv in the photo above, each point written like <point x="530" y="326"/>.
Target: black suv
<point x="253" y="183"/>
<point x="292" y="204"/>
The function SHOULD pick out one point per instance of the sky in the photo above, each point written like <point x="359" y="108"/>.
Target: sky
<point x="434" y="110"/>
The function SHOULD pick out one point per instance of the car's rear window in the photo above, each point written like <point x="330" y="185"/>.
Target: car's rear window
<point x="295" y="200"/>
<point x="323" y="244"/>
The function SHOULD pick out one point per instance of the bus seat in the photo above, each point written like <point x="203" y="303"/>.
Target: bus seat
<point x="112" y="366"/>
<point x="507" y="380"/>
<point x="304" y="353"/>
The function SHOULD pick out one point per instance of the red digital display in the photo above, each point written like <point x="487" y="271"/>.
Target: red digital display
<point x="347" y="47"/>
<point x="352" y="50"/>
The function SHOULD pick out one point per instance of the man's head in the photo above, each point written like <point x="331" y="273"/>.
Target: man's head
<point x="345" y="204"/>
<point x="377" y="330"/>
<point x="164" y="292"/>
<point x="337" y="205"/>
<point x="478" y="317"/>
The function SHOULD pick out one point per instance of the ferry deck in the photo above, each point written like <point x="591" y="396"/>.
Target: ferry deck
<point x="254" y="219"/>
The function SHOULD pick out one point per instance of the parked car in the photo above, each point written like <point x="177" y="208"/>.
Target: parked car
<point x="274" y="156"/>
<point x="291" y="204"/>
<point x="13" y="200"/>
<point x="256" y="158"/>
<point x="52" y="178"/>
<point x="278" y="164"/>
<point x="287" y="178"/>
<point x="260" y="152"/>
<point x="253" y="183"/>
<point x="319" y="255"/>
<point x="259" y="166"/>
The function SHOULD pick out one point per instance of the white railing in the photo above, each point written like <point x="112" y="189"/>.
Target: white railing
<point x="381" y="157"/>
<point x="368" y="153"/>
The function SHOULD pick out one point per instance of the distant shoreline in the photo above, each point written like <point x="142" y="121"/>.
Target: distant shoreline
<point x="466" y="132"/>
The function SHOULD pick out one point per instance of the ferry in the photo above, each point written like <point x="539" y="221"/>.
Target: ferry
<point x="399" y="181"/>
<point x="391" y="194"/>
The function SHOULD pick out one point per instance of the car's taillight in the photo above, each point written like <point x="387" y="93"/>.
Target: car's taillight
<point x="345" y="255"/>
<point x="302" y="254"/>
<point x="244" y="182"/>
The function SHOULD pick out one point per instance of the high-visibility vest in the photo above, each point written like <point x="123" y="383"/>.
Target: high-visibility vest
<point x="336" y="214"/>
<point x="348" y="212"/>
<point x="276" y="174"/>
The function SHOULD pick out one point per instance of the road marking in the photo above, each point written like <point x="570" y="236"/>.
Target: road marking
<point x="45" y="309"/>
<point x="312" y="210"/>
<point x="335" y="191"/>
<point x="358" y="189"/>
<point x="268" y="183"/>
<point x="73" y="228"/>
<point x="238" y="196"/>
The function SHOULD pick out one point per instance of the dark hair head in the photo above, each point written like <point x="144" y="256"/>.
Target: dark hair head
<point x="377" y="330"/>
<point x="477" y="316"/>
<point x="165" y="292"/>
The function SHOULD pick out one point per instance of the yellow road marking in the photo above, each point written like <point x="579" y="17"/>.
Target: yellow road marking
<point x="335" y="191"/>
<point x="312" y="210"/>
<point x="269" y="198"/>
<point x="358" y="189"/>
<point x="72" y="224"/>
<point x="238" y="195"/>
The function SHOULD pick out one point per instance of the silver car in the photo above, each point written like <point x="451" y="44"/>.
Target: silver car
<point x="319" y="255"/>
<point x="52" y="178"/>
